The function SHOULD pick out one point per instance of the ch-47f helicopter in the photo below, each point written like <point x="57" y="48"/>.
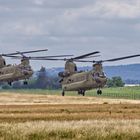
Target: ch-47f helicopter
<point x="80" y="81"/>
<point x="22" y="71"/>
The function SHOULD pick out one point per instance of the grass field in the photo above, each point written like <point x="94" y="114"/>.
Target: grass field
<point x="22" y="113"/>
<point x="46" y="115"/>
<point x="122" y="92"/>
<point x="73" y="130"/>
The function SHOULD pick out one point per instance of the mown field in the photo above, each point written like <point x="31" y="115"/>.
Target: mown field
<point x="46" y="115"/>
<point x="68" y="112"/>
<point x="70" y="121"/>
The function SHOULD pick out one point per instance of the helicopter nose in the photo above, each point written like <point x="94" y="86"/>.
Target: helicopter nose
<point x="99" y="78"/>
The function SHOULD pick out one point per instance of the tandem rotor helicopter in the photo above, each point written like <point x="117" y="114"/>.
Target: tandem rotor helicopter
<point x="81" y="81"/>
<point x="23" y="71"/>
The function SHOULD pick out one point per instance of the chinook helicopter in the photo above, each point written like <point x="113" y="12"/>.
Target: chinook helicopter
<point x="23" y="71"/>
<point x="81" y="81"/>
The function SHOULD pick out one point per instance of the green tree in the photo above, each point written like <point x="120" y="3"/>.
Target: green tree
<point x="115" y="82"/>
<point x="42" y="79"/>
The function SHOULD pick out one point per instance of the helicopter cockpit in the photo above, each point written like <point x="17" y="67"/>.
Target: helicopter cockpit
<point x="98" y="73"/>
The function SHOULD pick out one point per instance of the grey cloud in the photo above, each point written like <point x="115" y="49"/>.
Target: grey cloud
<point x="71" y="26"/>
<point x="46" y="3"/>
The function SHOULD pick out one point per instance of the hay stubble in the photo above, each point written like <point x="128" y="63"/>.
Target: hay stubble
<point x="53" y="117"/>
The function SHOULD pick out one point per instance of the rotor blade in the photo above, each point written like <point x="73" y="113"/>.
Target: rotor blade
<point x="22" y="54"/>
<point x="53" y="56"/>
<point x="51" y="59"/>
<point x="92" y="56"/>
<point x="25" y="52"/>
<point x="85" y="55"/>
<point x="88" y="61"/>
<point x="65" y="59"/>
<point x="12" y="56"/>
<point x="110" y="60"/>
<point x="121" y="58"/>
<point x="36" y="58"/>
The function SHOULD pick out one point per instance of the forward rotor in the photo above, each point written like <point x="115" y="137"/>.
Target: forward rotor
<point x="110" y="60"/>
<point x="54" y="58"/>
<point x="23" y="56"/>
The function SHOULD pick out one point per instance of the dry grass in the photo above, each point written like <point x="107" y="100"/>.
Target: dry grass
<point x="52" y="117"/>
<point x="21" y="98"/>
<point x="68" y="112"/>
<point x="24" y="107"/>
<point x="79" y="130"/>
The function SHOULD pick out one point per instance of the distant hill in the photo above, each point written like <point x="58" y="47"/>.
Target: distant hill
<point x="129" y="73"/>
<point x="125" y="71"/>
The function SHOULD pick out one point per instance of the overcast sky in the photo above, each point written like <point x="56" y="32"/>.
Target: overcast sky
<point x="71" y="27"/>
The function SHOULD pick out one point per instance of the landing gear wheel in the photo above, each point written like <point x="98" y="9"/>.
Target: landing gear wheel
<point x="83" y="93"/>
<point x="10" y="83"/>
<point x="99" y="92"/>
<point x="25" y="83"/>
<point x="63" y="93"/>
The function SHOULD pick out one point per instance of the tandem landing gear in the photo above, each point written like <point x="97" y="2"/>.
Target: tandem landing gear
<point x="10" y="83"/>
<point x="99" y="91"/>
<point x="25" y="83"/>
<point x="81" y="92"/>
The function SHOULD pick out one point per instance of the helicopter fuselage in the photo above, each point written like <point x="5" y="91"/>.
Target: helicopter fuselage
<point x="22" y="71"/>
<point x="83" y="81"/>
<point x="12" y="73"/>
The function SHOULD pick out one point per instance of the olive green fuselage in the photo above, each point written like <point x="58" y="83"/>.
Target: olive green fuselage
<point x="83" y="81"/>
<point x="14" y="73"/>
